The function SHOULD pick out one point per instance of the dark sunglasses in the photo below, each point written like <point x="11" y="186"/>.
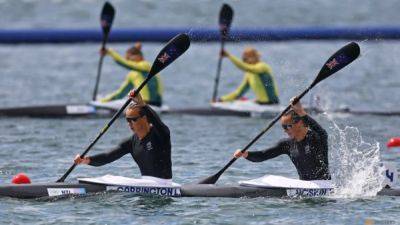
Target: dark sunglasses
<point x="132" y="119"/>
<point x="295" y="120"/>
<point x="290" y="125"/>
<point x="287" y="126"/>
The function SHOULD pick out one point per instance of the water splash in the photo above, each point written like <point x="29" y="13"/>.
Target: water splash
<point x="354" y="164"/>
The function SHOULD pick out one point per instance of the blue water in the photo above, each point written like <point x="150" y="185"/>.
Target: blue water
<point x="56" y="74"/>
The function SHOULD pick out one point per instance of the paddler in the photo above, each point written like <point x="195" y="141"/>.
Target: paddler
<point x="150" y="144"/>
<point x="307" y="145"/>
<point x="139" y="69"/>
<point x="257" y="76"/>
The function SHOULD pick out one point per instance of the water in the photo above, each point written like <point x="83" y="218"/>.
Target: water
<point x="54" y="74"/>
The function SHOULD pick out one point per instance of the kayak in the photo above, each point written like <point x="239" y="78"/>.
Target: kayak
<point x="239" y="108"/>
<point x="247" y="106"/>
<point x="92" y="109"/>
<point x="72" y="110"/>
<point x="267" y="186"/>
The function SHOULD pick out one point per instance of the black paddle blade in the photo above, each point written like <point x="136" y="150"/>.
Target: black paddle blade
<point x="174" y="48"/>
<point x="337" y="61"/>
<point x="211" y="179"/>
<point x="225" y="19"/>
<point x="107" y="17"/>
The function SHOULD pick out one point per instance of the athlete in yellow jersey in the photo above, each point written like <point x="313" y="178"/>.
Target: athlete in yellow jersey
<point x="134" y="61"/>
<point x="258" y="77"/>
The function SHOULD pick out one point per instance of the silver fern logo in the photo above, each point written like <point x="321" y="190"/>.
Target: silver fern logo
<point x="149" y="146"/>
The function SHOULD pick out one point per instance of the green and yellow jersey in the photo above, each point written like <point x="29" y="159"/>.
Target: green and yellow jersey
<point x="259" y="78"/>
<point x="151" y="92"/>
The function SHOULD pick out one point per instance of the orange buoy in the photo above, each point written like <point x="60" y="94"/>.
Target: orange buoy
<point x="393" y="142"/>
<point x="21" y="178"/>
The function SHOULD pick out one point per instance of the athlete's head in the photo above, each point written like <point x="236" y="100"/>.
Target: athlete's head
<point x="292" y="124"/>
<point x="251" y="55"/>
<point x="136" y="117"/>
<point x="135" y="53"/>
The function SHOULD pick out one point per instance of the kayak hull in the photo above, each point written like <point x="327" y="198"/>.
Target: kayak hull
<point x="230" y="191"/>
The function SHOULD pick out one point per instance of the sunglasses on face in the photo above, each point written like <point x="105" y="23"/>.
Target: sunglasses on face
<point x="287" y="126"/>
<point x="132" y="119"/>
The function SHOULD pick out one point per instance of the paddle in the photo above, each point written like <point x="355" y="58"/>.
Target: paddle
<point x="337" y="61"/>
<point x="106" y="20"/>
<point x="174" y="48"/>
<point x="225" y="20"/>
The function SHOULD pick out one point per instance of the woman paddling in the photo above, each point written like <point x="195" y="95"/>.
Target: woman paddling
<point x="258" y="77"/>
<point x="134" y="61"/>
<point x="307" y="146"/>
<point x="150" y="145"/>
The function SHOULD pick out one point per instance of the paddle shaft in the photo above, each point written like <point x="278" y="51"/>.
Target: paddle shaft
<point x="104" y="130"/>
<point x="215" y="92"/>
<point x="217" y="175"/>
<point x="99" y="66"/>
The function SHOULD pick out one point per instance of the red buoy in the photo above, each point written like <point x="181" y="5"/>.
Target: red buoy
<point x="21" y="178"/>
<point x="393" y="142"/>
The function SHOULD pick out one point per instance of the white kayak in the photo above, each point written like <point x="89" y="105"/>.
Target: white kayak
<point x="249" y="106"/>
